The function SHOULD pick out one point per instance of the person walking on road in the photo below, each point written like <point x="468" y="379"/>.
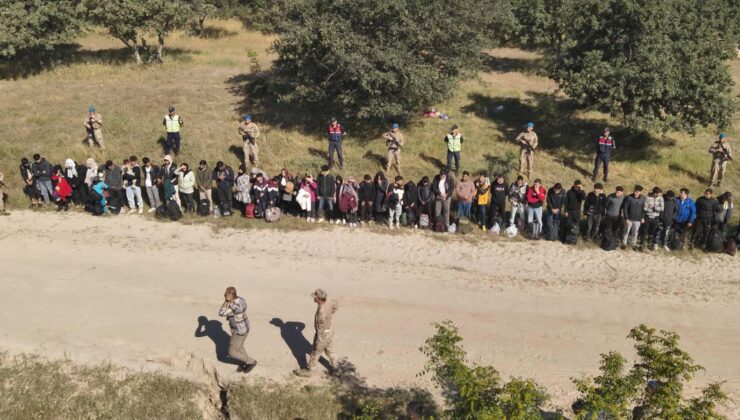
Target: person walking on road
<point x="250" y="132"/>
<point x="173" y="124"/>
<point x="336" y="135"/>
<point x="721" y="154"/>
<point x="234" y="309"/>
<point x="528" y="142"/>
<point x="454" y="140"/>
<point x="394" y="142"/>
<point x="324" y="337"/>
<point x="604" y="146"/>
<point x="93" y="127"/>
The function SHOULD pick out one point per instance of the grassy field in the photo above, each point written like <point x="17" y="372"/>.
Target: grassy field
<point x="206" y="79"/>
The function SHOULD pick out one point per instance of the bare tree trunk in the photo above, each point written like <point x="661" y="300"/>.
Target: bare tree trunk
<point x="201" y="24"/>
<point x="137" y="55"/>
<point x="160" y="48"/>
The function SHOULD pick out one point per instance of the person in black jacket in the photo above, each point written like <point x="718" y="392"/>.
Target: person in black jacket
<point x="706" y="206"/>
<point x="573" y="204"/>
<point x="499" y="194"/>
<point x="443" y="187"/>
<point x="366" y="196"/>
<point x="668" y="218"/>
<point x="555" y="201"/>
<point x="380" y="187"/>
<point x="75" y="176"/>
<point x="410" y="203"/>
<point x="223" y="175"/>
<point x="326" y="191"/>
<point x="595" y="209"/>
<point x="633" y="209"/>
<point x="29" y="184"/>
<point x="132" y="181"/>
<point x="425" y="199"/>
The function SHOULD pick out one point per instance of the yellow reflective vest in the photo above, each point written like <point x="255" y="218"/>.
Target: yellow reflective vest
<point x="454" y="143"/>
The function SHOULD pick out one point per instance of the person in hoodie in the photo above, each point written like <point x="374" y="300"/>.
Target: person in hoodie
<point x="464" y="193"/>
<point x="365" y="198"/>
<point x="654" y="207"/>
<point x="536" y="196"/>
<point x="259" y="195"/>
<point x="634" y="215"/>
<point x="99" y="187"/>
<point x="410" y="203"/>
<point x="667" y="218"/>
<point x="327" y="190"/>
<point x="555" y="201"/>
<point x="75" y="175"/>
<point x="223" y="176"/>
<point x="518" y="200"/>
<point x="706" y="207"/>
<point x="482" y="200"/>
<point x="42" y="172"/>
<point x="306" y="198"/>
<point x="350" y="188"/>
<point x="204" y="184"/>
<point x="114" y="181"/>
<point x="186" y="187"/>
<point x="150" y="177"/>
<point x="443" y="186"/>
<point x="724" y="213"/>
<point x="29" y="184"/>
<point x="380" y="188"/>
<point x="595" y="209"/>
<point x="62" y="190"/>
<point x="574" y="199"/>
<point x="686" y="214"/>
<point x="132" y="181"/>
<point x="499" y="195"/>
<point x="394" y="200"/>
<point x="425" y="203"/>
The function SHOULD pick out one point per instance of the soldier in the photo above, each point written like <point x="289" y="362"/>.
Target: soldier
<point x="173" y="124"/>
<point x="721" y="154"/>
<point x="528" y="141"/>
<point x="250" y="132"/>
<point x="604" y="146"/>
<point x="394" y="141"/>
<point x="3" y="188"/>
<point x="322" y="340"/>
<point x="93" y="124"/>
<point x="234" y="309"/>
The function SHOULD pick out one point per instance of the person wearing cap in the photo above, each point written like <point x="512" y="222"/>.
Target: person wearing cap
<point x="173" y="124"/>
<point x="528" y="142"/>
<point x="234" y="309"/>
<point x="336" y="134"/>
<point x="93" y="128"/>
<point x="250" y="132"/>
<point x="324" y="336"/>
<point x="394" y="142"/>
<point x="721" y="154"/>
<point x="454" y="140"/>
<point x="604" y="146"/>
<point x="3" y="194"/>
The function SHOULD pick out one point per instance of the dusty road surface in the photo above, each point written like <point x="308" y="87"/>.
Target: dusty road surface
<point x="132" y="291"/>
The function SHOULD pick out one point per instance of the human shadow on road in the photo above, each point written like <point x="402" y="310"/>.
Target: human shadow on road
<point x="292" y="333"/>
<point x="214" y="330"/>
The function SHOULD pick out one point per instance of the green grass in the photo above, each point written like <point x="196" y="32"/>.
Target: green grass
<point x="206" y="80"/>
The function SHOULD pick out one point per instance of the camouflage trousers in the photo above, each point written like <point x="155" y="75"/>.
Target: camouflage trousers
<point x="719" y="166"/>
<point x="394" y="159"/>
<point x="251" y="152"/>
<point x="526" y="162"/>
<point x="322" y="344"/>
<point x="96" y="138"/>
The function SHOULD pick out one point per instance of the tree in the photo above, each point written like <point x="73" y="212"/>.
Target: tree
<point x="27" y="25"/>
<point x="131" y="20"/>
<point x="474" y="391"/>
<point x="656" y="65"/>
<point x="206" y="9"/>
<point x="378" y="59"/>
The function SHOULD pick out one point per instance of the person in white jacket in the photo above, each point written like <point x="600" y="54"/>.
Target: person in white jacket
<point x="186" y="184"/>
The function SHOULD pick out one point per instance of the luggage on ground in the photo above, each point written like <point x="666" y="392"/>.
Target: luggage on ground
<point x="715" y="241"/>
<point x="571" y="238"/>
<point x="463" y="225"/>
<point x="204" y="207"/>
<point x="272" y="214"/>
<point x="249" y="211"/>
<point x="173" y="211"/>
<point x="424" y="221"/>
<point x="439" y="224"/>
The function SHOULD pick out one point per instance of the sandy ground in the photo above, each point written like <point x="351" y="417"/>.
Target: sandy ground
<point x="131" y="291"/>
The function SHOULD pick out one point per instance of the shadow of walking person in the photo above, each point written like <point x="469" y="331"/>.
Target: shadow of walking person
<point x="214" y="330"/>
<point x="292" y="334"/>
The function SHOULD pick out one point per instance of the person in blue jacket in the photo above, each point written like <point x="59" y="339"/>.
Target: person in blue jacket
<point x="686" y="213"/>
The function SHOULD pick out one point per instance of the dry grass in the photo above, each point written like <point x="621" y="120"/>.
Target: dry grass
<point x="204" y="79"/>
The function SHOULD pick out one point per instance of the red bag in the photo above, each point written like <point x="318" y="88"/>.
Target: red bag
<point x="249" y="211"/>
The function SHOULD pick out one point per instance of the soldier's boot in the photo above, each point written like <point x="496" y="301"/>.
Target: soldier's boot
<point x="303" y="373"/>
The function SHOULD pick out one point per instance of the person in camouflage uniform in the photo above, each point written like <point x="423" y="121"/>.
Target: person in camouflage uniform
<point x="721" y="154"/>
<point x="394" y="142"/>
<point x="528" y="142"/>
<point x="250" y="132"/>
<point x="93" y="123"/>
<point x="324" y="337"/>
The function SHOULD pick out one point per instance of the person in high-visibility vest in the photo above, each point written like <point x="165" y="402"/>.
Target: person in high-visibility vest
<point x="454" y="140"/>
<point x="173" y="124"/>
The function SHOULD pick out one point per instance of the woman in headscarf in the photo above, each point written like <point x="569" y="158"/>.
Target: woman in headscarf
<point x="76" y="175"/>
<point x="92" y="172"/>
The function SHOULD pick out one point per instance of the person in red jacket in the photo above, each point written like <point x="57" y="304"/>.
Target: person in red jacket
<point x="62" y="190"/>
<point x="536" y="196"/>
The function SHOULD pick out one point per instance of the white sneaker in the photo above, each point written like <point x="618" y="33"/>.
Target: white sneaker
<point x="141" y="210"/>
<point x="321" y="220"/>
<point x="152" y="210"/>
<point x="666" y="248"/>
<point x="132" y="211"/>
<point x="312" y="220"/>
<point x="390" y="226"/>
<point x="398" y="226"/>
<point x="344" y="222"/>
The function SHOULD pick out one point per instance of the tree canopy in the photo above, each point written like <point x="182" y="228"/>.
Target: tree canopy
<point x="36" y="24"/>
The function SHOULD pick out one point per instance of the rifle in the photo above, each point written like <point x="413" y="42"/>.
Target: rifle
<point x="91" y="133"/>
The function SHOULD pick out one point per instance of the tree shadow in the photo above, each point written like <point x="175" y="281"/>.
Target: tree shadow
<point x="212" y="32"/>
<point x="528" y="66"/>
<point x="213" y="329"/>
<point x="238" y="152"/>
<point x="30" y="63"/>
<point x="560" y="132"/>
<point x="703" y="179"/>
<point x="323" y="154"/>
<point x="292" y="334"/>
<point x="433" y="160"/>
<point x="379" y="159"/>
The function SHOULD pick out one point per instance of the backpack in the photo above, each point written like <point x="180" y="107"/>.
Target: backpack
<point x="511" y="231"/>
<point x="204" y="207"/>
<point x="439" y="224"/>
<point x="224" y="210"/>
<point x="161" y="211"/>
<point x="404" y="219"/>
<point x="463" y="225"/>
<point x="495" y="229"/>
<point x="249" y="211"/>
<point x="452" y="228"/>
<point x="424" y="221"/>
<point x="347" y="202"/>
<point x="272" y="214"/>
<point x="571" y="238"/>
<point x="608" y="241"/>
<point x="676" y="240"/>
<point x="730" y="247"/>
<point x="173" y="211"/>
<point x="715" y="241"/>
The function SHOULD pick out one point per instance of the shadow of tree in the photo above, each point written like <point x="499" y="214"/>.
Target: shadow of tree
<point x="212" y="32"/>
<point x="34" y="62"/>
<point x="433" y="160"/>
<point x="561" y="133"/>
<point x="379" y="160"/>
<point x="703" y="179"/>
<point x="528" y="66"/>
<point x="238" y="152"/>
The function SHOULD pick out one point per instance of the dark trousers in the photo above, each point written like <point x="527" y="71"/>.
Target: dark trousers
<point x="79" y="194"/>
<point x="574" y="216"/>
<point x="612" y="226"/>
<point x="224" y="196"/>
<point x="187" y="201"/>
<point x="366" y="211"/>
<point x="115" y="202"/>
<point x="593" y="223"/>
<point x="701" y="232"/>
<point x="498" y="210"/>
<point x="553" y="225"/>
<point x="336" y="146"/>
<point x="456" y="156"/>
<point x="651" y="227"/>
<point x="602" y="158"/>
<point x="172" y="143"/>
